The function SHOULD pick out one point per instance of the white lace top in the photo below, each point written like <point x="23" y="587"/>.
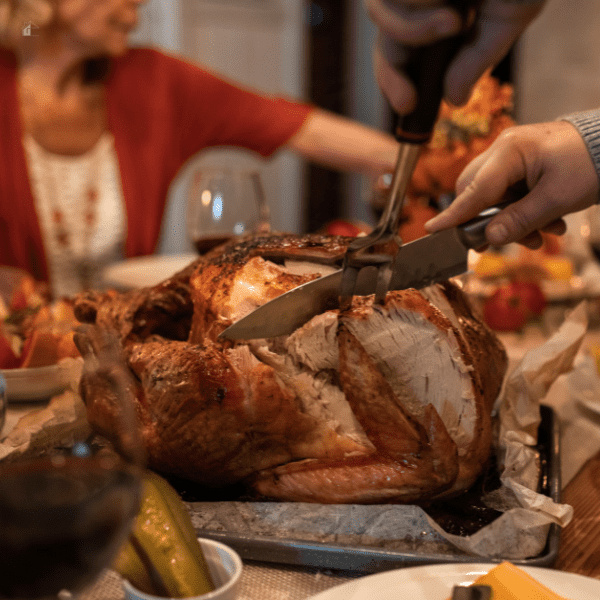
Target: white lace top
<point x="60" y="185"/>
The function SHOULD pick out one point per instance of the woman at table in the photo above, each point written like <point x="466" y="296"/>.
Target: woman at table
<point x="92" y="134"/>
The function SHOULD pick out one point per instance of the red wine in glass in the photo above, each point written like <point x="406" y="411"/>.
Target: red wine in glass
<point x="222" y="204"/>
<point x="61" y="523"/>
<point x="67" y="504"/>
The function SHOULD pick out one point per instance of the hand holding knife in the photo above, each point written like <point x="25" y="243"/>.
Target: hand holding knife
<point x="426" y="261"/>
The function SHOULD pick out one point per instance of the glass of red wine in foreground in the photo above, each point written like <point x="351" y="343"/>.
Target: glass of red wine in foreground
<point x="66" y="507"/>
<point x="223" y="204"/>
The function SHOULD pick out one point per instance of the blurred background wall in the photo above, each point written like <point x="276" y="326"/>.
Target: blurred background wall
<point x="321" y="51"/>
<point x="557" y="62"/>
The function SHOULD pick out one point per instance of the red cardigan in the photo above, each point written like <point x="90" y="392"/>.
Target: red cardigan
<point x="161" y="112"/>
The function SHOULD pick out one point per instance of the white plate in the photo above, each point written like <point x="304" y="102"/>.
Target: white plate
<point x="145" y="271"/>
<point x="37" y="383"/>
<point x="435" y="582"/>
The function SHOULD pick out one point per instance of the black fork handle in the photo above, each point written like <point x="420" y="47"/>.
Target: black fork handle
<point x="426" y="67"/>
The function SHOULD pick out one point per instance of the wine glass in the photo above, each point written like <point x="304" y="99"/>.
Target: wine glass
<point x="224" y="203"/>
<point x="69" y="496"/>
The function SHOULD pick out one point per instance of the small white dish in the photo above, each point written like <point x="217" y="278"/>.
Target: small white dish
<point x="225" y="566"/>
<point x="145" y="271"/>
<point x="37" y="383"/>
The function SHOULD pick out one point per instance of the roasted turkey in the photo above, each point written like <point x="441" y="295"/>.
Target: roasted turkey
<point x="379" y="403"/>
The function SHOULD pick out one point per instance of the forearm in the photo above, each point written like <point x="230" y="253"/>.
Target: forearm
<point x="588" y="125"/>
<point x="345" y="145"/>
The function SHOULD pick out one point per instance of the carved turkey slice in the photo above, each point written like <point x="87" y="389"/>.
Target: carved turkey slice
<point x="380" y="403"/>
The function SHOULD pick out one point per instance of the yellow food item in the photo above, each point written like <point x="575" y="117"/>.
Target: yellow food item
<point x="490" y="264"/>
<point x="508" y="582"/>
<point x="559" y="268"/>
<point x="164" y="537"/>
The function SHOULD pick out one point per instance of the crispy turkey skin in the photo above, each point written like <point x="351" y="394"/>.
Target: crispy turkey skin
<point x="378" y="403"/>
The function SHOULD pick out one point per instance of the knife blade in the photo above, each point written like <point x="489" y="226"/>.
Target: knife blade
<point x="426" y="261"/>
<point x="426" y="66"/>
<point x="299" y="306"/>
<point x="429" y="260"/>
<point x="284" y="314"/>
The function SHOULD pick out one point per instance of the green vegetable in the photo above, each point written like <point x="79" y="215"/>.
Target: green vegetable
<point x="163" y="556"/>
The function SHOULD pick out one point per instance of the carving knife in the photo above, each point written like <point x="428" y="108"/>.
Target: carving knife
<point x="430" y="259"/>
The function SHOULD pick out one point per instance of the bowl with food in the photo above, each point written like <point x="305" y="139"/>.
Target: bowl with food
<point x="36" y="334"/>
<point x="163" y="557"/>
<point x="225" y="568"/>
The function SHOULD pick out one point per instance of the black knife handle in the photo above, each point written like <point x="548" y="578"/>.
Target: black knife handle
<point x="426" y="67"/>
<point x="472" y="233"/>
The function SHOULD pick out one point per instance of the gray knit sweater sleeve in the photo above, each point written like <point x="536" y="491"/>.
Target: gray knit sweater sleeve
<point x="588" y="125"/>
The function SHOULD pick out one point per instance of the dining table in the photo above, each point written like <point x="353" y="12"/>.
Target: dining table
<point x="579" y="549"/>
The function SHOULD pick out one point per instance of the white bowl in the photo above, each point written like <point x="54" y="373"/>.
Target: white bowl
<point x="225" y="566"/>
<point x="35" y="383"/>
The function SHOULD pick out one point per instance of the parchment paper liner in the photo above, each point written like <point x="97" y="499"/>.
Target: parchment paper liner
<point x="521" y="531"/>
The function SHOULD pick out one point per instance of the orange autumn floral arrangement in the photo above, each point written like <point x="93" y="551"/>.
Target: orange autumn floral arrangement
<point x="460" y="134"/>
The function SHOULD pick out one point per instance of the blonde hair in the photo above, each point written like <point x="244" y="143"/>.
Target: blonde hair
<point x="15" y="14"/>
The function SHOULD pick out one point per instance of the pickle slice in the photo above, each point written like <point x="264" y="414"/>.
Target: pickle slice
<point x="163" y="555"/>
<point x="134" y="565"/>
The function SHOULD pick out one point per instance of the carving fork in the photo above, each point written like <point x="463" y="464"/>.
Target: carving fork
<point x="426" y="67"/>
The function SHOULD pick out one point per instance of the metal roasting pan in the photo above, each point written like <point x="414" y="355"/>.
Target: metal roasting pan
<point x="292" y="550"/>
